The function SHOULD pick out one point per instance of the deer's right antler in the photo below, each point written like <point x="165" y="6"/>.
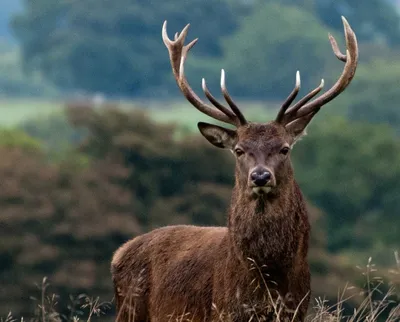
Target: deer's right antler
<point x="177" y="54"/>
<point x="305" y="109"/>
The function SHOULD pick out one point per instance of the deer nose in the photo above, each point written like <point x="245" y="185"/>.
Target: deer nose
<point x="260" y="177"/>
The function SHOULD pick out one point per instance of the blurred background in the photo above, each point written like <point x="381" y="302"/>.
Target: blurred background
<point x="98" y="145"/>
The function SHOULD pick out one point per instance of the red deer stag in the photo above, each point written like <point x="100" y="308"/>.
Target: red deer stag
<point x="256" y="267"/>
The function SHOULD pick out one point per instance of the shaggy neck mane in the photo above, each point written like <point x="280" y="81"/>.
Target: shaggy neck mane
<point x="263" y="229"/>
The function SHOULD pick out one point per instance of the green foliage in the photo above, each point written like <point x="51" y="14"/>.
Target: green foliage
<point x="55" y="132"/>
<point x="59" y="220"/>
<point x="374" y="96"/>
<point x="113" y="46"/>
<point x="163" y="170"/>
<point x="351" y="171"/>
<point x="116" y="47"/>
<point x="10" y="138"/>
<point x="375" y="20"/>
<point x="270" y="46"/>
<point x="9" y="7"/>
<point x="14" y="82"/>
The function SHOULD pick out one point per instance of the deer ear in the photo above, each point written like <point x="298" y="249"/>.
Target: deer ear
<point x="218" y="136"/>
<point x="297" y="128"/>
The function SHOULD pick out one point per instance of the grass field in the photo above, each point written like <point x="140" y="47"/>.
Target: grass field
<point x="15" y="111"/>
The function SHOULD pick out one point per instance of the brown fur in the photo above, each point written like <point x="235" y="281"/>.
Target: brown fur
<point x="226" y="273"/>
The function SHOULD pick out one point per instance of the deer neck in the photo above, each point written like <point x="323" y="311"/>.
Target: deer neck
<point x="264" y="229"/>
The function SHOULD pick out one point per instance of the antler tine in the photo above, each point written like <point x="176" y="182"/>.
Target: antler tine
<point x="178" y="53"/>
<point x="351" y="60"/>
<point x="289" y="100"/>
<point x="305" y="119"/>
<point x="303" y="101"/>
<point x="230" y="101"/>
<point x="214" y="101"/>
<point x="336" y="49"/>
<point x="304" y="108"/>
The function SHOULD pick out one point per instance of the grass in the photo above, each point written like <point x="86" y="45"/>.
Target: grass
<point x="15" y="111"/>
<point x="46" y="309"/>
<point x="183" y="113"/>
<point x="376" y="300"/>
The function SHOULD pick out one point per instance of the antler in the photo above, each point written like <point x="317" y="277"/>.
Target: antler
<point x="308" y="110"/>
<point x="177" y="54"/>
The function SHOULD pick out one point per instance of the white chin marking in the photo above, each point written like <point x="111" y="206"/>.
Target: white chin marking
<point x="261" y="190"/>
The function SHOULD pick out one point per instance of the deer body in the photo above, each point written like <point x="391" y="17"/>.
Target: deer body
<point x="255" y="268"/>
<point x="214" y="273"/>
<point x="209" y="273"/>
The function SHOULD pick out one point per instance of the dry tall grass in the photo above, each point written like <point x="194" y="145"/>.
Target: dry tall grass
<point x="377" y="299"/>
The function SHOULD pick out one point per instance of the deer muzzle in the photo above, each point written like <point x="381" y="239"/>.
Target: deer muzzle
<point x="261" y="180"/>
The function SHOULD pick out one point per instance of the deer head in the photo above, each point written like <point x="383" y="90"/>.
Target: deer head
<point x="262" y="150"/>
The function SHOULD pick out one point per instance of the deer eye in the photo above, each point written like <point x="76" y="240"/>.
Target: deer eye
<point x="239" y="152"/>
<point x="285" y="150"/>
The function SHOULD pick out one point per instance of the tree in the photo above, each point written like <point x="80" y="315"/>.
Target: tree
<point x="14" y="82"/>
<point x="351" y="171"/>
<point x="162" y="170"/>
<point x="113" y="46"/>
<point x="55" y="133"/>
<point x="374" y="96"/>
<point x="61" y="221"/>
<point x="372" y="20"/>
<point x="271" y="44"/>
<point x="9" y="7"/>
